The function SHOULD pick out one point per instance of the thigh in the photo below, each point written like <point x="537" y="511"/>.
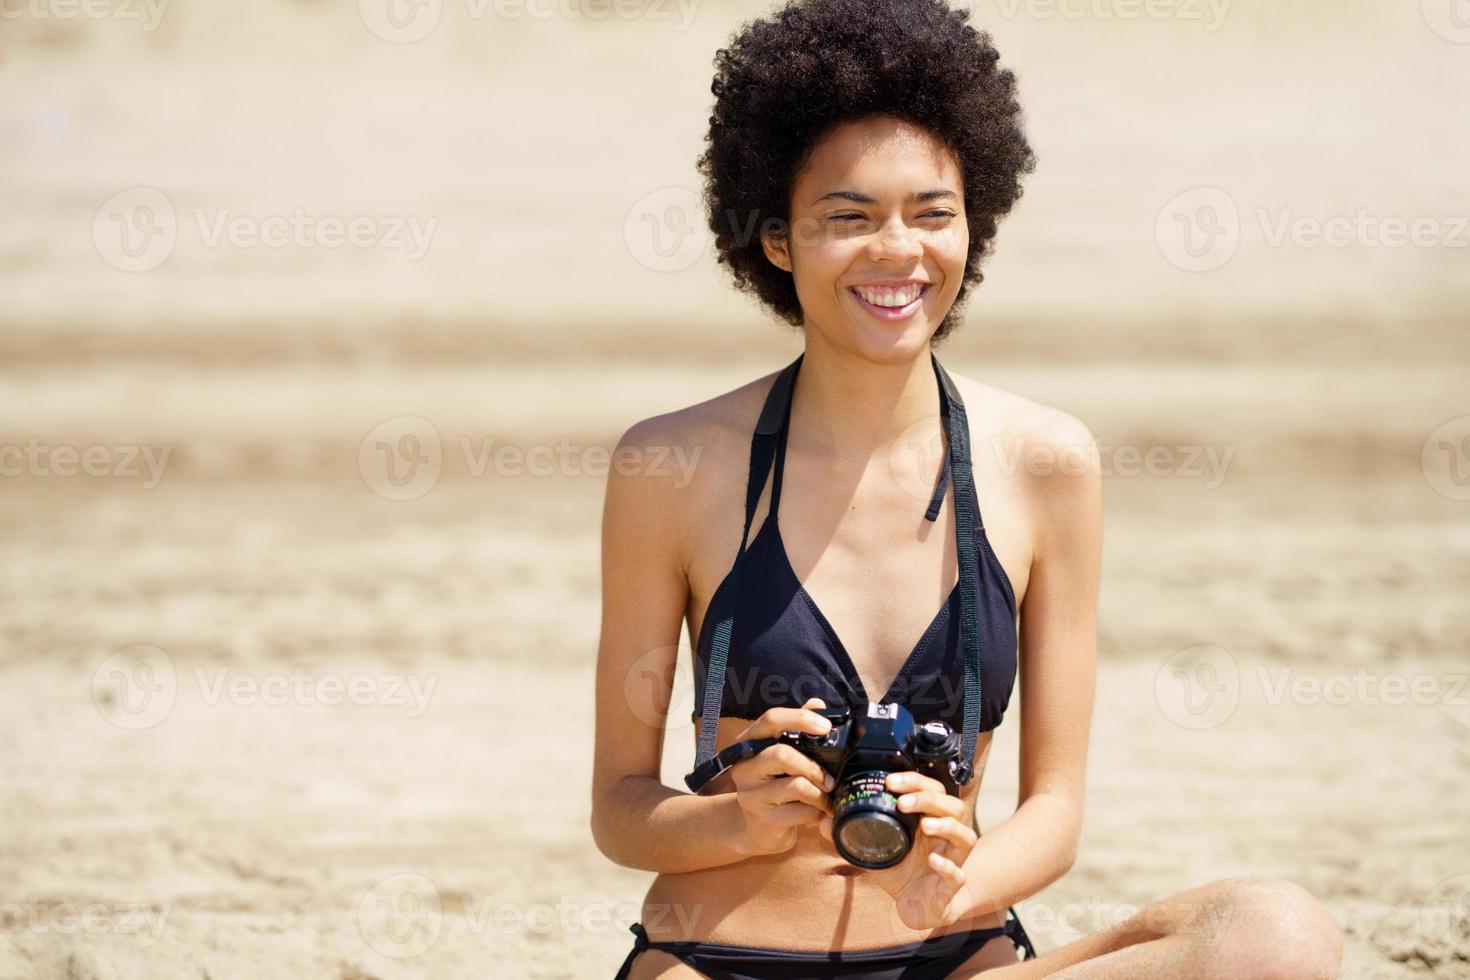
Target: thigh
<point x="1196" y="908"/>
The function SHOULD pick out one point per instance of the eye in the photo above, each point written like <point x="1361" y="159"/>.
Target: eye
<point x="847" y="217"/>
<point x="938" y="214"/>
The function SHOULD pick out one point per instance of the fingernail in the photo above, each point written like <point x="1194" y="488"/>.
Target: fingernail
<point x="828" y="781"/>
<point x="905" y="802"/>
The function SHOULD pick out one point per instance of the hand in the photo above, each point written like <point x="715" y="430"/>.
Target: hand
<point x="927" y="884"/>
<point x="780" y="790"/>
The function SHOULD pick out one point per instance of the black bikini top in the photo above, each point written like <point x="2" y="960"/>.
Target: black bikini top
<point x="765" y="643"/>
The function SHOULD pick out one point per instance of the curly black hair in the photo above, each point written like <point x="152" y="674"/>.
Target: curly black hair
<point x="786" y="80"/>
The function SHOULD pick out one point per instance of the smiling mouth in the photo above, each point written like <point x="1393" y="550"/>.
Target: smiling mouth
<point x="891" y="313"/>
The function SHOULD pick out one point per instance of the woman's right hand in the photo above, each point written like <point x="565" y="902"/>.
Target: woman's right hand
<point x="779" y="790"/>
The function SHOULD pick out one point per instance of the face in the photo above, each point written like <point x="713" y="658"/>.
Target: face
<point x="878" y="238"/>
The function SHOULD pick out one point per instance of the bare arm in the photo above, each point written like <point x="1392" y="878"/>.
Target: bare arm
<point x="636" y="820"/>
<point x="1058" y="666"/>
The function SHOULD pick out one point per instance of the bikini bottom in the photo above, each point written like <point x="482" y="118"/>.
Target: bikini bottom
<point x="930" y="959"/>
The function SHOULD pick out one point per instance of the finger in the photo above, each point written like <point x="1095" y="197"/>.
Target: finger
<point x="952" y="832"/>
<point x="784" y="760"/>
<point x="908" y="781"/>
<point x="778" y="720"/>
<point x="789" y="789"/>
<point x="794" y="815"/>
<point x="825" y="827"/>
<point x="932" y="804"/>
<point x="952" y="874"/>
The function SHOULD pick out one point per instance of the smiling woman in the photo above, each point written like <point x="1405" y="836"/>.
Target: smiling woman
<point x="874" y="144"/>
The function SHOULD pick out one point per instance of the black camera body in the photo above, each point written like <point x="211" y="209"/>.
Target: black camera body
<point x="859" y="752"/>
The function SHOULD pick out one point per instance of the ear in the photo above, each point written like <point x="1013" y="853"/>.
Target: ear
<point x="777" y="248"/>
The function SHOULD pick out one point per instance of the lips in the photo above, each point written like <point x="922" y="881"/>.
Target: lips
<point x="890" y="314"/>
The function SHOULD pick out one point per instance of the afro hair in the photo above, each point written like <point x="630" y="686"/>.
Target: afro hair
<point x="788" y="79"/>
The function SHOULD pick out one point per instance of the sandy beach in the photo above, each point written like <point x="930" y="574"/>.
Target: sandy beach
<point x="276" y="706"/>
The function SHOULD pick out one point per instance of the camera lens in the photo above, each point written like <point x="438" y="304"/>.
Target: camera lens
<point x="867" y="826"/>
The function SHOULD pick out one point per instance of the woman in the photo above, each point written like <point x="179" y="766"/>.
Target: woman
<point x="860" y="155"/>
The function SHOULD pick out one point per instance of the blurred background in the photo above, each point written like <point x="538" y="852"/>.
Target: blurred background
<point x="318" y="320"/>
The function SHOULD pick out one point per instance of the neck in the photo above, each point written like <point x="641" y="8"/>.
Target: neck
<point x="852" y="407"/>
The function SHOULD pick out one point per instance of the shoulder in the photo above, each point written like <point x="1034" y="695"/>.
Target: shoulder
<point x="1049" y="453"/>
<point x="718" y="423"/>
<point x="675" y="469"/>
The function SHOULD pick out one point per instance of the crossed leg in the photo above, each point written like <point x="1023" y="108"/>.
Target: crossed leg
<point x="1251" y="927"/>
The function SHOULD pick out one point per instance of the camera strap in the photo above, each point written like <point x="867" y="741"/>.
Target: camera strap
<point x="762" y="455"/>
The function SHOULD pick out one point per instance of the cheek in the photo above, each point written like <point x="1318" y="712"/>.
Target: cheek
<point x="821" y="262"/>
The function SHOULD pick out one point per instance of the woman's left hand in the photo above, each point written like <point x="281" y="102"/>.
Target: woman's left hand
<point x="927" y="885"/>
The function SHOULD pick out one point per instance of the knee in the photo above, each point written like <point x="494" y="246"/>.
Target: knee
<point x="1274" y="929"/>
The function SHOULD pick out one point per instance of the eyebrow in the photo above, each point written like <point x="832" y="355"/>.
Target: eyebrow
<point x="916" y="197"/>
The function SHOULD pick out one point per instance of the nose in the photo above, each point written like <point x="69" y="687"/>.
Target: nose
<point x="895" y="242"/>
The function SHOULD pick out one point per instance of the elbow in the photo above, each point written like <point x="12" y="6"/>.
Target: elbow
<point x="603" y="835"/>
<point x="607" y="832"/>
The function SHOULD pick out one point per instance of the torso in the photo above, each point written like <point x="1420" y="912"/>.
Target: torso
<point x="855" y="536"/>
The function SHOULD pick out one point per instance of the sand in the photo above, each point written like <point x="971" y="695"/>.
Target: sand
<point x="268" y="713"/>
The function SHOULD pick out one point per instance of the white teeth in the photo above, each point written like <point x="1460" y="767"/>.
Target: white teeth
<point x="886" y="296"/>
